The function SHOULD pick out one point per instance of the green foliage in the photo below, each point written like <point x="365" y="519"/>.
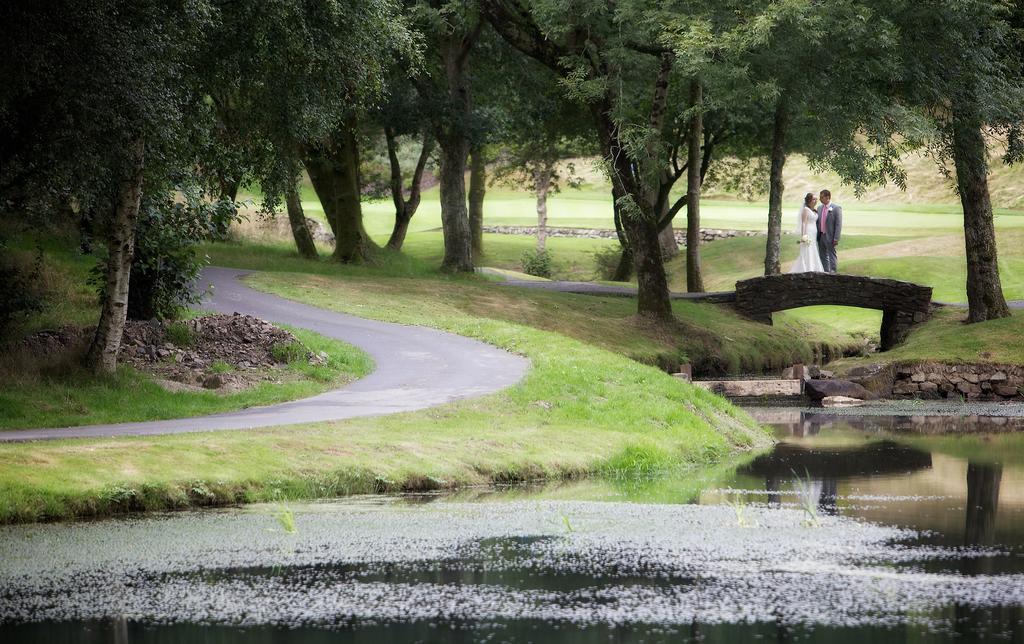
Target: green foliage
<point x="808" y="499"/>
<point x="167" y="261"/>
<point x="286" y="519"/>
<point x="739" y="507"/>
<point x="289" y="352"/>
<point x="219" y="366"/>
<point x="272" y="72"/>
<point x="537" y="263"/>
<point x="20" y="294"/>
<point x="606" y="262"/>
<point x="83" y="80"/>
<point x="180" y="334"/>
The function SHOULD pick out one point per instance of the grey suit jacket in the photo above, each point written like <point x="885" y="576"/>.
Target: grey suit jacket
<point x="833" y="223"/>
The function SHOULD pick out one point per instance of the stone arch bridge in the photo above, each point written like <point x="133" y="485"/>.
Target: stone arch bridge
<point x="903" y="304"/>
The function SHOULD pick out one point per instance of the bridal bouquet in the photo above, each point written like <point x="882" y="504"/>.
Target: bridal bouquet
<point x="805" y="240"/>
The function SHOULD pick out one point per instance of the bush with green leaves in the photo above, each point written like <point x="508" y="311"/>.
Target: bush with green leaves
<point x="167" y="261"/>
<point x="181" y="335"/>
<point x="289" y="352"/>
<point x="20" y="294"/>
<point x="537" y="263"/>
<point x="606" y="262"/>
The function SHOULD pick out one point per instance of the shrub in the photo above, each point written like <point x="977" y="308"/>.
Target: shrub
<point x="606" y="261"/>
<point x="171" y="225"/>
<point x="20" y="294"/>
<point x="219" y="366"/>
<point x="288" y="352"/>
<point x="181" y="335"/>
<point x="537" y="263"/>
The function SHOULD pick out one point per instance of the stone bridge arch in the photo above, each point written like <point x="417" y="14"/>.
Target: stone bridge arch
<point x="903" y="304"/>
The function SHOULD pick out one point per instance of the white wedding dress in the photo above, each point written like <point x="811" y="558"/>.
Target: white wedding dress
<point x="809" y="261"/>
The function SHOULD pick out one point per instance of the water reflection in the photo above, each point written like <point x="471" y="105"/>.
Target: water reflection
<point x="918" y="480"/>
<point x="982" y="503"/>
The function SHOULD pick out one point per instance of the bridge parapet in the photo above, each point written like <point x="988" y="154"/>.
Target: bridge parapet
<point x="903" y="304"/>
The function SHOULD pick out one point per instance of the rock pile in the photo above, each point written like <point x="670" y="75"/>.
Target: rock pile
<point x="199" y="351"/>
<point x="224" y="352"/>
<point x="707" y="234"/>
<point x="932" y="380"/>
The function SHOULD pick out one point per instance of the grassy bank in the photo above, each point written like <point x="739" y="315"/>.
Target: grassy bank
<point x="711" y="337"/>
<point x="62" y="393"/>
<point x="946" y="338"/>
<point x="581" y="410"/>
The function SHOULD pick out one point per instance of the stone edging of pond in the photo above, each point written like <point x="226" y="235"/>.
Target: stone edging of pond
<point x="929" y="380"/>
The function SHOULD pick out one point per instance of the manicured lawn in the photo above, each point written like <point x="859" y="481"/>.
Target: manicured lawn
<point x="591" y="207"/>
<point x="912" y="240"/>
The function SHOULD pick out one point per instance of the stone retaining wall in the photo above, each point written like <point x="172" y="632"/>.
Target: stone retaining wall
<point x="707" y="234"/>
<point x="974" y="382"/>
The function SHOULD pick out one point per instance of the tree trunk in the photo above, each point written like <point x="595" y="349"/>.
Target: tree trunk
<point x="400" y="230"/>
<point x="984" y="291"/>
<point x="453" y="139"/>
<point x="625" y="268"/>
<point x="694" y="278"/>
<point x="652" y="283"/>
<point x="541" y="186"/>
<point x="405" y="208"/>
<point x="477" y="190"/>
<point x="772" y="260"/>
<point x="402" y="217"/>
<point x="102" y="355"/>
<point x="458" y="245"/>
<point x="640" y="227"/>
<point x="667" y="241"/>
<point x="300" y="230"/>
<point x="333" y="168"/>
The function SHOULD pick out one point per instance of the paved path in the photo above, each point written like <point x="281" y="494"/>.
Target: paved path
<point x="416" y="368"/>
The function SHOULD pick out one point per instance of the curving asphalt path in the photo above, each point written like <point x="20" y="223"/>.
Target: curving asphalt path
<point x="416" y="368"/>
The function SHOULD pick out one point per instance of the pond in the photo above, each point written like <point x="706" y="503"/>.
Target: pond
<point x="851" y="529"/>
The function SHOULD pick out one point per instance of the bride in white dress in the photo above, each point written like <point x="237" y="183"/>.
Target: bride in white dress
<point x="809" y="260"/>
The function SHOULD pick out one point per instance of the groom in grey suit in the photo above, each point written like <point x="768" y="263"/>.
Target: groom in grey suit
<point x="830" y="227"/>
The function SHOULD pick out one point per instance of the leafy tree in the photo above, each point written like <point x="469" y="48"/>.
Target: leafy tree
<point x="452" y="29"/>
<point x="962" y="65"/>
<point x="167" y="263"/>
<point x="294" y="79"/>
<point x="821" y="75"/>
<point x="99" y="107"/>
<point x="403" y="116"/>
<point x="611" y="58"/>
<point x="541" y="128"/>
